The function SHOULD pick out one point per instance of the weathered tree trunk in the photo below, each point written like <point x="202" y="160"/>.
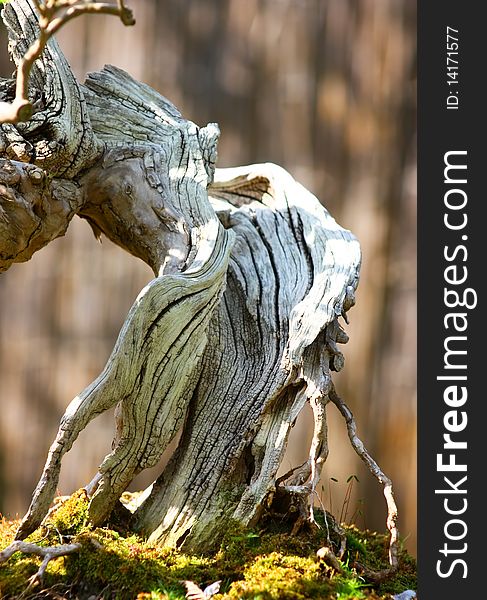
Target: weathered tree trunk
<point x="234" y="335"/>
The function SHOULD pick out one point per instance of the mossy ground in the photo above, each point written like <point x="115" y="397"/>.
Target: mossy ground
<point x="263" y="564"/>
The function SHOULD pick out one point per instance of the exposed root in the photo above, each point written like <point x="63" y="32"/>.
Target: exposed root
<point x="47" y="553"/>
<point x="375" y="577"/>
<point x="337" y="529"/>
<point x="91" y="487"/>
<point x="374" y="468"/>
<point x="291" y="501"/>
<point x="328" y="557"/>
<point x="319" y="444"/>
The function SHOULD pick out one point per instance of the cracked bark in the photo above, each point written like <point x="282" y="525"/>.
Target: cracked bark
<point x="236" y="332"/>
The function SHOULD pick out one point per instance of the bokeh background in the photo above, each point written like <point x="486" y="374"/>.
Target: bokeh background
<point x="325" y="88"/>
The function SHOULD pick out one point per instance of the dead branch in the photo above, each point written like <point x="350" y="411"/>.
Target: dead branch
<point x="53" y="14"/>
<point x="48" y="553"/>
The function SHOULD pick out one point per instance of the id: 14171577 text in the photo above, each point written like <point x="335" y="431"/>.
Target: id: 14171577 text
<point x="452" y="53"/>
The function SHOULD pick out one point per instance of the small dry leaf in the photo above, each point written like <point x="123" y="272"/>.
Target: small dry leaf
<point x="193" y="592"/>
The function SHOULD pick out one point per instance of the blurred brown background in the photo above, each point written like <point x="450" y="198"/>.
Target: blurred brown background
<point x="325" y="88"/>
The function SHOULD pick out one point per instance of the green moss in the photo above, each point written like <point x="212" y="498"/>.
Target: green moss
<point x="127" y="566"/>
<point x="372" y="549"/>
<point x="263" y="564"/>
<point x="275" y="576"/>
<point x="71" y="514"/>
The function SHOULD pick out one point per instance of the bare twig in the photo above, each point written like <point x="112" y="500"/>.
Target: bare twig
<point x="50" y="21"/>
<point x="374" y="468"/>
<point x="47" y="553"/>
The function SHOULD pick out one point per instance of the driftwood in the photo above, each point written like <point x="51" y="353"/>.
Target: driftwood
<point x="236" y="333"/>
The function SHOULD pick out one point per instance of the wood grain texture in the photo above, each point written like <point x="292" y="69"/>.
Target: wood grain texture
<point x="239" y="328"/>
<point x="272" y="345"/>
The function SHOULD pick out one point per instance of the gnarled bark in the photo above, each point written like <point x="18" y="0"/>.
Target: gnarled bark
<point x="239" y="328"/>
<point x="33" y="210"/>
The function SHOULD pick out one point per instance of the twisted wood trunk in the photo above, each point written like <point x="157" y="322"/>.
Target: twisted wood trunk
<point x="239" y="328"/>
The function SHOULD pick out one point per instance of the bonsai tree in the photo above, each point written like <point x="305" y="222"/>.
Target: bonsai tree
<point x="237" y="331"/>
